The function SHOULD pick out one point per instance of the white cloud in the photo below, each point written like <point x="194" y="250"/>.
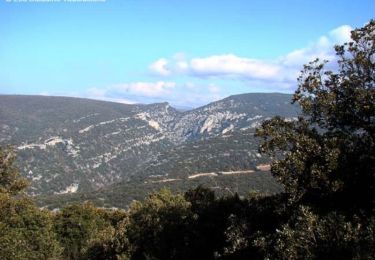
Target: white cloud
<point x="321" y="49"/>
<point x="341" y="34"/>
<point x="160" y="67"/>
<point x="96" y="92"/>
<point x="130" y="93"/>
<point x="214" y="89"/>
<point x="196" y="94"/>
<point x="232" y="65"/>
<point x="180" y="62"/>
<point x="188" y="94"/>
<point x="207" y="76"/>
<point x="148" y="89"/>
<point x="117" y="100"/>
<point x="281" y="70"/>
<point x="103" y="94"/>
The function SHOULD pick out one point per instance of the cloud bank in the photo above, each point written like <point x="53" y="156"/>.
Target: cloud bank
<point x="180" y="95"/>
<point x="282" y="70"/>
<point x="213" y="77"/>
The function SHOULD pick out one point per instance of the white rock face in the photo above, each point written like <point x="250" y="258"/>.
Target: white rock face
<point x="217" y="119"/>
<point x="113" y="133"/>
<point x="228" y="129"/>
<point x="205" y="122"/>
<point x="254" y="118"/>
<point x="86" y="129"/>
<point x="53" y="141"/>
<point x="37" y="178"/>
<point x="154" y="125"/>
<point x="209" y="123"/>
<point x="146" y="117"/>
<point x="70" y="189"/>
<point x="84" y="117"/>
<point x="31" y="146"/>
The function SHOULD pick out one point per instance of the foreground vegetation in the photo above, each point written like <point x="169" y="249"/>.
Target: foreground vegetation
<point x="325" y="161"/>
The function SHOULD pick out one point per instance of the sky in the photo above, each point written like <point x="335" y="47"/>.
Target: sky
<point x="188" y="53"/>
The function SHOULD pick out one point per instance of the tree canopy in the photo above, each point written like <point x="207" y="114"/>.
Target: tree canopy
<point x="327" y="156"/>
<point x="10" y="179"/>
<point x="25" y="231"/>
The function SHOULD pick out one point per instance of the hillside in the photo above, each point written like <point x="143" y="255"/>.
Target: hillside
<point x="68" y="145"/>
<point x="227" y="164"/>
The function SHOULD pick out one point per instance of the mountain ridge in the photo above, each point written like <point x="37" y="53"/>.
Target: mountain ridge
<point x="73" y="144"/>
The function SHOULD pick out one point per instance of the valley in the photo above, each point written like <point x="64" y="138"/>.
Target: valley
<point x="72" y="145"/>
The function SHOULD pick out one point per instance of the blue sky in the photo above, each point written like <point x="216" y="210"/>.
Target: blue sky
<point x="188" y="53"/>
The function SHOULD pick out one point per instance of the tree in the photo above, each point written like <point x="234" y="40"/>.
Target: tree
<point x="327" y="157"/>
<point x="308" y="235"/>
<point x="26" y="231"/>
<point x="158" y="228"/>
<point x="78" y="227"/>
<point x="110" y="242"/>
<point x="10" y="180"/>
<point x="210" y="232"/>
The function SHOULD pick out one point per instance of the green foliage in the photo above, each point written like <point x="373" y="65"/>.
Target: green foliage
<point x="157" y="227"/>
<point x="109" y="243"/>
<point x="122" y="194"/>
<point x="209" y="231"/>
<point x="25" y="231"/>
<point x="327" y="157"/>
<point x="238" y="151"/>
<point x="167" y="226"/>
<point x="10" y="180"/>
<point x="308" y="235"/>
<point x="80" y="226"/>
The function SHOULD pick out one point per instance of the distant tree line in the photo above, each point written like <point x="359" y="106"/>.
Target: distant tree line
<point x="325" y="160"/>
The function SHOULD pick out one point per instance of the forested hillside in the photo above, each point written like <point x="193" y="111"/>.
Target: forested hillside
<point x="227" y="164"/>
<point x="69" y="145"/>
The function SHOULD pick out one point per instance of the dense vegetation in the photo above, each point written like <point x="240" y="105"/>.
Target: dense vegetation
<point x="325" y="161"/>
<point x="235" y="151"/>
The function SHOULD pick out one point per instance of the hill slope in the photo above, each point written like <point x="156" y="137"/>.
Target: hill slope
<point x="70" y="144"/>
